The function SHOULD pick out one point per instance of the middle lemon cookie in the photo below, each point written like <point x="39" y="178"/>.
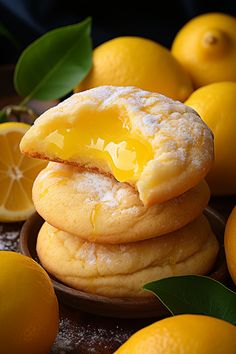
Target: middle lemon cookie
<point x="99" y="209"/>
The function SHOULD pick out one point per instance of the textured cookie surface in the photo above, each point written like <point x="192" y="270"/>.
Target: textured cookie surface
<point x="122" y="270"/>
<point x="159" y="146"/>
<point x="100" y="209"/>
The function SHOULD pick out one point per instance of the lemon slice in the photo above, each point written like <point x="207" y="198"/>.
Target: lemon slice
<point x="17" y="174"/>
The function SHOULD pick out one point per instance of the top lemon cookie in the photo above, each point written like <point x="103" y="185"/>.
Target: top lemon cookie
<point x="159" y="146"/>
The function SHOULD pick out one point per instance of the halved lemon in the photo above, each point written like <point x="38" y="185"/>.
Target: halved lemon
<point x="17" y="174"/>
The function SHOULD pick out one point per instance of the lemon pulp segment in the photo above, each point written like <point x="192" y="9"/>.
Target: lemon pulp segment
<point x="102" y="137"/>
<point x="17" y="174"/>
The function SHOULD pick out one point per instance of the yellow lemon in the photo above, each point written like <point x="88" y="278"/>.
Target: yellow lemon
<point x="17" y="174"/>
<point x="28" y="306"/>
<point x="183" y="334"/>
<point x="206" y="47"/>
<point x="135" y="61"/>
<point x="230" y="244"/>
<point x="215" y="103"/>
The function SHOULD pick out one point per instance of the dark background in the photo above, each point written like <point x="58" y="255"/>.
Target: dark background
<point x="160" y="20"/>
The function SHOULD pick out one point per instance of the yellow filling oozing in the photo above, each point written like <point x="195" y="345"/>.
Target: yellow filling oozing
<point x="100" y="136"/>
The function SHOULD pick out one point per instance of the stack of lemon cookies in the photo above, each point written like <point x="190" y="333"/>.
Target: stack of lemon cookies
<point x="124" y="192"/>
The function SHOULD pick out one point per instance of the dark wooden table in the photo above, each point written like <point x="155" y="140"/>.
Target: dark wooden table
<point x="85" y="333"/>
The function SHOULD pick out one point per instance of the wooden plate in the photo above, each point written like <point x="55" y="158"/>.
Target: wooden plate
<point x="116" y="307"/>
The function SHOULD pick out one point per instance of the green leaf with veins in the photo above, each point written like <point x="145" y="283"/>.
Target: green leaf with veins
<point x="54" y="64"/>
<point x="194" y="294"/>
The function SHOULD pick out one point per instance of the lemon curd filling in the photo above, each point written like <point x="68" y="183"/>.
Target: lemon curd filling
<point x="103" y="137"/>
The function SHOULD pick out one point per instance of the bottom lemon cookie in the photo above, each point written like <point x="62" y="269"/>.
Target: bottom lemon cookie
<point x="121" y="270"/>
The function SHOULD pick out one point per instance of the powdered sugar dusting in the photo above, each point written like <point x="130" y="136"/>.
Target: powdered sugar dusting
<point x="9" y="240"/>
<point x="101" y="188"/>
<point x="151" y="123"/>
<point x="91" y="335"/>
<point x="134" y="99"/>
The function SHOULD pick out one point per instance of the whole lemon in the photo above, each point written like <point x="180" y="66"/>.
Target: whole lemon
<point x="206" y="47"/>
<point x="183" y="334"/>
<point x="28" y="306"/>
<point x="135" y="61"/>
<point x="215" y="103"/>
<point x="230" y="244"/>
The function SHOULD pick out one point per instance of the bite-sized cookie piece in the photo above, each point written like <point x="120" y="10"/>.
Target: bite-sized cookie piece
<point x="159" y="146"/>
<point x="122" y="270"/>
<point x="100" y="209"/>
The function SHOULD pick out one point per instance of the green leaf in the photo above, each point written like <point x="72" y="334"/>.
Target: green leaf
<point x="55" y="63"/>
<point x="195" y="294"/>
<point x="3" y="117"/>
